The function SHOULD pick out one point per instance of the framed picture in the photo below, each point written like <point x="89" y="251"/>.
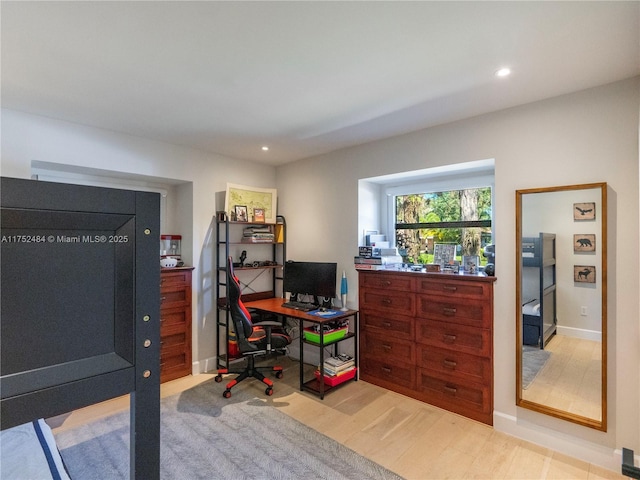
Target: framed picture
<point x="584" y="211"/>
<point x="241" y="213"/>
<point x="444" y="253"/>
<point x="584" y="242"/>
<point x="252" y="197"/>
<point x="470" y="263"/>
<point x="584" y="274"/>
<point x="258" y="215"/>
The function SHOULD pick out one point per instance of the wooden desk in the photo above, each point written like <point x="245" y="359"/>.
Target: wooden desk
<point x="274" y="306"/>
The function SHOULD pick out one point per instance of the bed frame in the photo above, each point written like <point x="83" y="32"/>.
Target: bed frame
<point x="539" y="282"/>
<point x="80" y="306"/>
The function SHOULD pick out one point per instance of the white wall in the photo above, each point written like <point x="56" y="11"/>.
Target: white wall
<point x="198" y="176"/>
<point x="552" y="212"/>
<point x="585" y="137"/>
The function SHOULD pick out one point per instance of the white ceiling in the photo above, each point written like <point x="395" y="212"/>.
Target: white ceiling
<point x="303" y="77"/>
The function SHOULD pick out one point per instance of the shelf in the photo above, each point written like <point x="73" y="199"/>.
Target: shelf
<point x="260" y="284"/>
<point x="326" y="344"/>
<point x="314" y="385"/>
<point x="224" y="269"/>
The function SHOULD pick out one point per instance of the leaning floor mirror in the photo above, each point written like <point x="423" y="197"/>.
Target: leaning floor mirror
<point x="561" y="302"/>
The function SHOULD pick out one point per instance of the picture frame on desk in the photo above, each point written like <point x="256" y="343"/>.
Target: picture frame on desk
<point x="470" y="263"/>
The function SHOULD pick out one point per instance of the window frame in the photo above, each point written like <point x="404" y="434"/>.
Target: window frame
<point x="425" y="185"/>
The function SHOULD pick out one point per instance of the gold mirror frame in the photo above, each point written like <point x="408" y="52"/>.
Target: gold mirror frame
<point x="554" y="411"/>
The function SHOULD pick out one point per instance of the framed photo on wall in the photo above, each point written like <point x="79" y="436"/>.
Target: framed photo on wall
<point x="584" y="211"/>
<point x="584" y="242"/>
<point x="584" y="274"/>
<point x="252" y="198"/>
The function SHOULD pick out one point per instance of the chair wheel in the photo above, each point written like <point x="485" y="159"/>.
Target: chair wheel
<point x="279" y="374"/>
<point x="269" y="391"/>
<point x="218" y="378"/>
<point x="226" y="394"/>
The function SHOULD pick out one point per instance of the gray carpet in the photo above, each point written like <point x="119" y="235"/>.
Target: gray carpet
<point x="206" y="436"/>
<point x="533" y="360"/>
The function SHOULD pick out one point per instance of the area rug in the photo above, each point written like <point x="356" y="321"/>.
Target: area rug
<point x="533" y="360"/>
<point x="206" y="436"/>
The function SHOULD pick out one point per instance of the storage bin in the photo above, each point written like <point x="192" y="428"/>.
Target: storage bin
<point x="332" y="381"/>
<point x="329" y="336"/>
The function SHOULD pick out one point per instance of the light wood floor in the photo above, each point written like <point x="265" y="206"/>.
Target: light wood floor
<point x="411" y="438"/>
<point x="572" y="377"/>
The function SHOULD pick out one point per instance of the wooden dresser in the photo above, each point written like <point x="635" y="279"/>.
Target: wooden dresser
<point x="175" y="323"/>
<point x="429" y="336"/>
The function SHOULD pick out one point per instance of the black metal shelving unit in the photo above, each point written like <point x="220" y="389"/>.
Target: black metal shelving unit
<point x="229" y="235"/>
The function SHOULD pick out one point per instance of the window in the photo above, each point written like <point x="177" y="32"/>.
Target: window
<point x="455" y="217"/>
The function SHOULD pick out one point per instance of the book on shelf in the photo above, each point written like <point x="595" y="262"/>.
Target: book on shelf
<point x="335" y="366"/>
<point x="341" y="359"/>
<point x="383" y="260"/>
<point x="256" y="240"/>
<point x="331" y="373"/>
<point x="368" y="266"/>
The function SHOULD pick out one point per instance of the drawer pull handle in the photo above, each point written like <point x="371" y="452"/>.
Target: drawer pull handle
<point x="449" y="311"/>
<point x="386" y="369"/>
<point x="450" y="390"/>
<point x="387" y="347"/>
<point x="451" y="288"/>
<point x="386" y="301"/>
<point x="162" y="299"/>
<point x="449" y="338"/>
<point x="385" y="284"/>
<point x="449" y="364"/>
<point x="386" y="324"/>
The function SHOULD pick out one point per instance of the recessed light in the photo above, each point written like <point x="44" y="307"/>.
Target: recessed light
<point x="503" y="72"/>
<point x="265" y="148"/>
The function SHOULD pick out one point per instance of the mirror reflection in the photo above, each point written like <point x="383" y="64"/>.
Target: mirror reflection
<point x="561" y="302"/>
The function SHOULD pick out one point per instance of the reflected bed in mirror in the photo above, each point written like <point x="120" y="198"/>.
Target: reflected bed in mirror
<point x="561" y="302"/>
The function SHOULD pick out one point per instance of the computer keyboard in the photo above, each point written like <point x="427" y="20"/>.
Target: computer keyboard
<point x="305" y="307"/>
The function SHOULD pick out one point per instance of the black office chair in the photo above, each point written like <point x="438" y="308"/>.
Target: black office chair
<point x="254" y="339"/>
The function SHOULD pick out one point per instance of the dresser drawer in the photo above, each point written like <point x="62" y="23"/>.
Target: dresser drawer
<point x="470" y="399"/>
<point x="460" y="366"/>
<point x="391" y="371"/>
<point x="386" y="281"/>
<point x="452" y="336"/>
<point x="388" y="301"/>
<point x="453" y="287"/>
<point x="175" y="277"/>
<point x="175" y="296"/>
<point x="466" y="312"/>
<point x="387" y="349"/>
<point x="174" y="363"/>
<point x="387" y="323"/>
<point x="175" y="319"/>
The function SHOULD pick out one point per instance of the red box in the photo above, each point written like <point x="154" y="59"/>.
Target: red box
<point x="338" y="379"/>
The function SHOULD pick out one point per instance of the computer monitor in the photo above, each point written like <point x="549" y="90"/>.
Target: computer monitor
<point x="310" y="278"/>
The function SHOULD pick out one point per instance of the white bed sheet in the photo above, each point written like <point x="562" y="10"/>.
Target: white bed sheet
<point x="29" y="451"/>
<point x="532" y="307"/>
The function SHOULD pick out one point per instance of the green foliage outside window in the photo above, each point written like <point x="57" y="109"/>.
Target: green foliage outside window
<point x="460" y="217"/>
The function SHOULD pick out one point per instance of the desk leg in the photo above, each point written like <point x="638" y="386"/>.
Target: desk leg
<point x="301" y="335"/>
<point x="355" y="346"/>
<point x="321" y="377"/>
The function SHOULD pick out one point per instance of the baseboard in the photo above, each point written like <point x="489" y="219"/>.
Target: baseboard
<point x="596" y="454"/>
<point x="580" y="333"/>
<point x="208" y="365"/>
